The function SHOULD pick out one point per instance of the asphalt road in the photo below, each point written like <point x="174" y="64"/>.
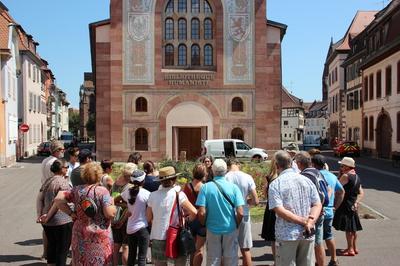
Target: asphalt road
<point x="379" y="242"/>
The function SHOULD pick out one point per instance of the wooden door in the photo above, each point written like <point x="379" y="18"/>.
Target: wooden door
<point x="384" y="136"/>
<point x="189" y="140"/>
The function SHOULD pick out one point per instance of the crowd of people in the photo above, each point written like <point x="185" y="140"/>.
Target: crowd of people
<point x="101" y="221"/>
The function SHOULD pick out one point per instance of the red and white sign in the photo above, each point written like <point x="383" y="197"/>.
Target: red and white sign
<point x="24" y="128"/>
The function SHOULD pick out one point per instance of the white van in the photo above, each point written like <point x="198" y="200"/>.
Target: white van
<point x="225" y="148"/>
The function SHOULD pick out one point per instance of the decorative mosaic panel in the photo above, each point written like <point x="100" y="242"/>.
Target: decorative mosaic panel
<point x="138" y="38"/>
<point x="239" y="41"/>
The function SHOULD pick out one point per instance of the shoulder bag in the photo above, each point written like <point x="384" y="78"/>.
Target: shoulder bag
<point x="228" y="200"/>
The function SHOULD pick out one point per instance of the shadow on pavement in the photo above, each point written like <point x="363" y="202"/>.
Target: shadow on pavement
<point x="18" y="258"/>
<point x="265" y="257"/>
<point x="33" y="160"/>
<point x="35" y="264"/>
<point x="30" y="242"/>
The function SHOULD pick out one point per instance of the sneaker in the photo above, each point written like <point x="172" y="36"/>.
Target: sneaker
<point x="333" y="263"/>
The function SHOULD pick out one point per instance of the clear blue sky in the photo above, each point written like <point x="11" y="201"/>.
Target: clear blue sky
<point x="61" y="28"/>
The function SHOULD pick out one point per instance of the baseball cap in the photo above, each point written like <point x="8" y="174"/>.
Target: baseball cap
<point x="219" y="167"/>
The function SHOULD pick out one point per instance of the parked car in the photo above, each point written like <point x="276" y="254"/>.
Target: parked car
<point x="225" y="148"/>
<point x="346" y="148"/>
<point x="44" y="148"/>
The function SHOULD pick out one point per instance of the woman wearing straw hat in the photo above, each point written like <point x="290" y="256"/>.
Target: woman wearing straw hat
<point x="159" y="210"/>
<point x="346" y="216"/>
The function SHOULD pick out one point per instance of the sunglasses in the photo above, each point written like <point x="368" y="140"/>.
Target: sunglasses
<point x="65" y="167"/>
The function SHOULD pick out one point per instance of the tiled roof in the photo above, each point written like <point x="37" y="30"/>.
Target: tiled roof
<point x="289" y="100"/>
<point x="5" y="20"/>
<point x="360" y="21"/>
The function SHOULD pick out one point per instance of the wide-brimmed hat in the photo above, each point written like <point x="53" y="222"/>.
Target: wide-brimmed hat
<point x="348" y="162"/>
<point x="166" y="173"/>
<point x="56" y="145"/>
<point x="292" y="147"/>
<point x="138" y="175"/>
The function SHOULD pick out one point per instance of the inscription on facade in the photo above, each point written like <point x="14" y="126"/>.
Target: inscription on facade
<point x="194" y="80"/>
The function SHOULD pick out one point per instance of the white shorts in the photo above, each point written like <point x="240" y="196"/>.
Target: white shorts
<point x="245" y="238"/>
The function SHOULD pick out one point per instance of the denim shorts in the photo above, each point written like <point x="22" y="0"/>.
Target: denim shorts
<point x="328" y="235"/>
<point x="319" y="231"/>
<point x="197" y="229"/>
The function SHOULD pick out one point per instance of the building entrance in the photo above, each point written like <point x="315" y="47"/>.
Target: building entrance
<point x="384" y="136"/>
<point x="189" y="141"/>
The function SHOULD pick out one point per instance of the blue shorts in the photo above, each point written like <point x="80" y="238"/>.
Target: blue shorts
<point x="319" y="231"/>
<point x="328" y="229"/>
<point x="197" y="229"/>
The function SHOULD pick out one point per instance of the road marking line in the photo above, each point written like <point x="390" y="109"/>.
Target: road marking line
<point x="369" y="168"/>
<point x="375" y="211"/>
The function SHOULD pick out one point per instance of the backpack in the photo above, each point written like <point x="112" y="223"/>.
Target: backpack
<point x="320" y="183"/>
<point x="88" y="205"/>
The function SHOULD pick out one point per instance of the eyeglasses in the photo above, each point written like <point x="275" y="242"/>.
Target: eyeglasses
<point x="61" y="150"/>
<point x="65" y="167"/>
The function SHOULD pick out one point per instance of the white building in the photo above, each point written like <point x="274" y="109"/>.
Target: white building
<point x="32" y="104"/>
<point x="59" y="112"/>
<point x="316" y="121"/>
<point x="292" y="122"/>
<point x="9" y="62"/>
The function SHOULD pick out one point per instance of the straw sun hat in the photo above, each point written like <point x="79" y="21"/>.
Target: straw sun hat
<point x="166" y="173"/>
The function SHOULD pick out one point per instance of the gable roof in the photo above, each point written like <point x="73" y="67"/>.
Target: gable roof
<point x="5" y="21"/>
<point x="289" y="100"/>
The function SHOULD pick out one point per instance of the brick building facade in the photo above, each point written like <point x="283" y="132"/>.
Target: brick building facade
<point x="169" y="74"/>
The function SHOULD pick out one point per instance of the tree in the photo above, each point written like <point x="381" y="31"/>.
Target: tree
<point x="91" y="126"/>
<point x="73" y="123"/>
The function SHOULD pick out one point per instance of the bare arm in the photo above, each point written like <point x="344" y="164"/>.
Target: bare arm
<point x="344" y="179"/>
<point x="339" y="196"/>
<point x="61" y="202"/>
<point x="201" y="215"/>
<point x="39" y="204"/>
<point x="360" y="196"/>
<point x="189" y="209"/>
<point x="253" y="200"/>
<point x="239" y="215"/>
<point x="289" y="216"/>
<point x="109" y="211"/>
<point x="149" y="215"/>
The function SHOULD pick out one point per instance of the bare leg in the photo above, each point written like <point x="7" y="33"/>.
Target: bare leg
<point x="125" y="253"/>
<point x="320" y="254"/>
<point x="246" y="256"/>
<point x="330" y="243"/>
<point x="273" y="249"/>
<point x="355" y="242"/>
<point x="198" y="254"/>
<point x="116" y="253"/>
<point x="350" y="241"/>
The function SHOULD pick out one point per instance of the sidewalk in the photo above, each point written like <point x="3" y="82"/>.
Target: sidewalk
<point x="378" y="243"/>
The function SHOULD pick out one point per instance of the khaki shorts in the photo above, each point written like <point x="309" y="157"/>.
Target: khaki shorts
<point x="297" y="252"/>
<point x="245" y="238"/>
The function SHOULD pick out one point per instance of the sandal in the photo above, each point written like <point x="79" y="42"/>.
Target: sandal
<point x="348" y="253"/>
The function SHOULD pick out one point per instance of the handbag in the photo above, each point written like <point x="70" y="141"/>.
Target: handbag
<point x="171" y="245"/>
<point x="179" y="241"/>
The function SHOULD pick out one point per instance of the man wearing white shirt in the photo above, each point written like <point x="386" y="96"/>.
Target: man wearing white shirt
<point x="247" y="187"/>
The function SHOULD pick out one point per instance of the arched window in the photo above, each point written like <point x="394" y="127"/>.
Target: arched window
<point x="237" y="104"/>
<point x="182" y="29"/>
<point x="237" y="133"/>
<point x="169" y="55"/>
<point x="141" y="140"/>
<point x="182" y="55"/>
<point x="195" y="6"/>
<point x="195" y="55"/>
<point x="208" y="30"/>
<point x="208" y="55"/>
<point x="207" y="7"/>
<point x="169" y="29"/>
<point x="182" y="7"/>
<point x="195" y="29"/>
<point x="170" y="7"/>
<point x="141" y="104"/>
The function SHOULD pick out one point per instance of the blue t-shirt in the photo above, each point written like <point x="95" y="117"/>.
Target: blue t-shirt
<point x="334" y="184"/>
<point x="220" y="214"/>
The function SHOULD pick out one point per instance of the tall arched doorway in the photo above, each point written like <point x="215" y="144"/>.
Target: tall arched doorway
<point x="384" y="135"/>
<point x="187" y="125"/>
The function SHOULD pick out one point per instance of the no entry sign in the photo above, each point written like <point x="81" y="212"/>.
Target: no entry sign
<point x="24" y="128"/>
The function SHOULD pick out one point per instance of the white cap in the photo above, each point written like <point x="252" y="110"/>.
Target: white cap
<point x="219" y="167"/>
<point x="138" y="175"/>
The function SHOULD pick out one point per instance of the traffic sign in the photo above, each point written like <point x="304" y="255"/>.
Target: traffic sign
<point x="24" y="128"/>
